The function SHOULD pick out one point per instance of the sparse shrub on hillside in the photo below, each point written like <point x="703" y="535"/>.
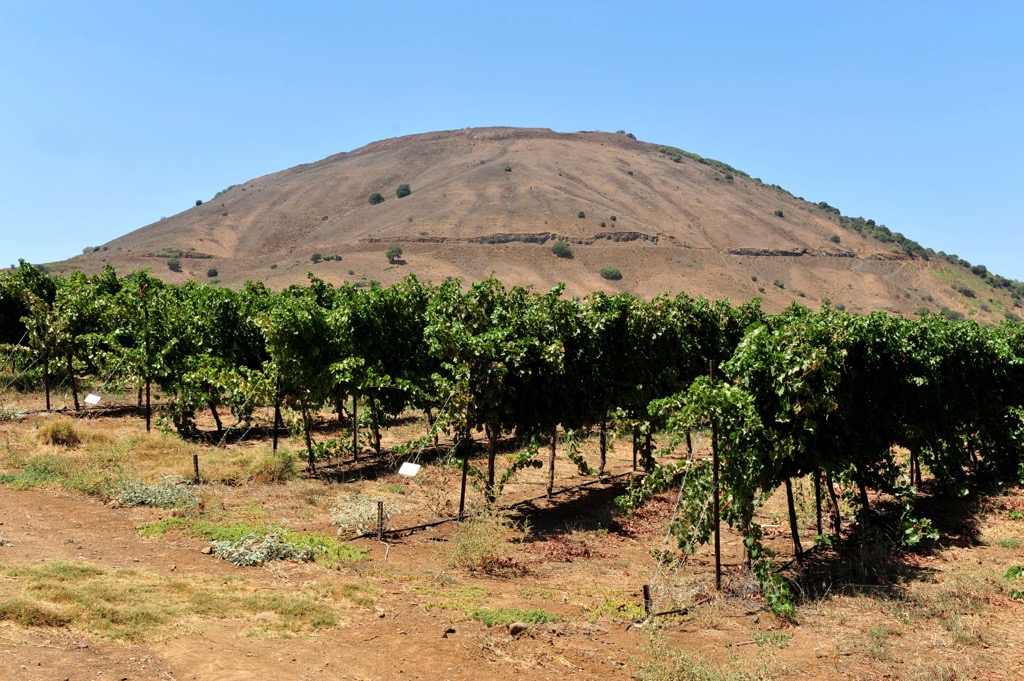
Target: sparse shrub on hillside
<point x="966" y="291"/>
<point x="778" y="284"/>
<point x="779" y="214"/>
<point x="393" y="253"/>
<point x="561" y="249"/>
<point x="273" y="265"/>
<point x="212" y="272"/>
<point x="835" y="238"/>
<point x="174" y="265"/>
<point x="315" y="258"/>
<point x="581" y="215"/>
<point x="602" y="224"/>
<point x="1012" y="316"/>
<point x="403" y="191"/>
<point x="952" y="315"/>
<point x="613" y="218"/>
<point x="612" y="273"/>
<point x="376" y="198"/>
<point x="508" y="168"/>
<point x="199" y="202"/>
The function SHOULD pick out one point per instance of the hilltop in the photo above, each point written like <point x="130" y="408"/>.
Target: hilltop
<point x="494" y="201"/>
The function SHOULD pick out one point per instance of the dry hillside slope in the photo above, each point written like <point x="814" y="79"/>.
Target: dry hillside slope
<point x="493" y="200"/>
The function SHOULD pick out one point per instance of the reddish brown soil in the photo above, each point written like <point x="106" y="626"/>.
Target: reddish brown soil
<point x="914" y="628"/>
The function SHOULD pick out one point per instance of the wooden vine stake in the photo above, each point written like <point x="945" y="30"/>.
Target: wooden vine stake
<point x="145" y="326"/>
<point x="355" y="427"/>
<point x="817" y="498"/>
<point x="714" y="491"/>
<point x="465" y="445"/>
<point x="277" y="407"/>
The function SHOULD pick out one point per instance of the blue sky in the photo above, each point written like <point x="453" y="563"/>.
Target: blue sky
<point x="116" y="113"/>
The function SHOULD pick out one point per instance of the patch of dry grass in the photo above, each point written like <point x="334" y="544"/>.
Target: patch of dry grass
<point x="483" y="544"/>
<point x="135" y="605"/>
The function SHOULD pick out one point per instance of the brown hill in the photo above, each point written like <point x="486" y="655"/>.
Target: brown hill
<point x="494" y="200"/>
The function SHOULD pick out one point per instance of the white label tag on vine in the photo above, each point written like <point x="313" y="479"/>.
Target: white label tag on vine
<point x="92" y="399"/>
<point x="408" y="468"/>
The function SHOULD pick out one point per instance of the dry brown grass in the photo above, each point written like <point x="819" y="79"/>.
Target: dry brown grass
<point x="135" y="604"/>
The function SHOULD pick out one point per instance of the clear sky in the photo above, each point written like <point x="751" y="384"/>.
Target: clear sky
<point x="116" y="113"/>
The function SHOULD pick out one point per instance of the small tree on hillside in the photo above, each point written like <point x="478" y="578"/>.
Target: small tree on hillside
<point x="393" y="253"/>
<point x="403" y="190"/>
<point x="376" y="198"/>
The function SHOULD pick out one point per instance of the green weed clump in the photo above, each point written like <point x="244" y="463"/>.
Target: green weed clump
<point x="259" y="548"/>
<point x="8" y="414"/>
<point x="169" y="493"/>
<point x="248" y="544"/>
<point x="506" y="616"/>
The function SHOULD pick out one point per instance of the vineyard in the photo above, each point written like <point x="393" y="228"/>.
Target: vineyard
<point x="723" y="410"/>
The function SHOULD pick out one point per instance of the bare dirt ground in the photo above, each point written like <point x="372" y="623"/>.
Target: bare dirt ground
<point x="941" y="613"/>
